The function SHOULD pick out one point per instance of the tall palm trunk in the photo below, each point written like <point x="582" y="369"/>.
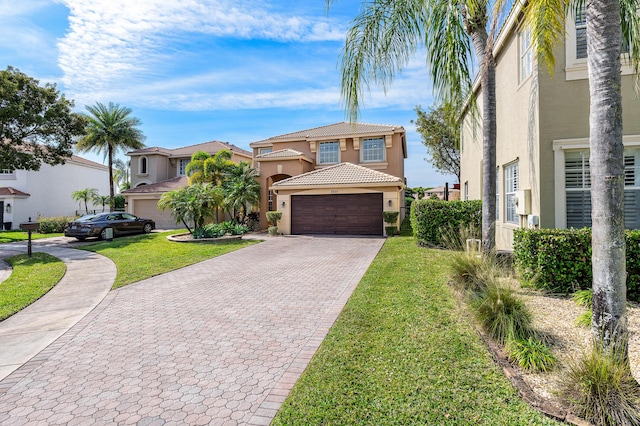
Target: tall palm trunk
<point x="607" y="170"/>
<point x="487" y="68"/>
<point x="111" y="191"/>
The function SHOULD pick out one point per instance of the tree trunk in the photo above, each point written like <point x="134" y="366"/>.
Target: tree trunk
<point x="111" y="192"/>
<point x="607" y="170"/>
<point x="487" y="69"/>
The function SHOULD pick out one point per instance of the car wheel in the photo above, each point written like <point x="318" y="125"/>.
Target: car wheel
<point x="103" y="234"/>
<point x="81" y="238"/>
<point x="147" y="228"/>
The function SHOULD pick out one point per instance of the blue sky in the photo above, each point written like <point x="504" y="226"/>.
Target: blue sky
<point x="199" y="70"/>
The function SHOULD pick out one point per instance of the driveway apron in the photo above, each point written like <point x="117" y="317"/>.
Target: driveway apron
<point x="219" y="342"/>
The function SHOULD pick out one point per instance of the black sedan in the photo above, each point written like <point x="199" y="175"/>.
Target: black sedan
<point x="97" y="225"/>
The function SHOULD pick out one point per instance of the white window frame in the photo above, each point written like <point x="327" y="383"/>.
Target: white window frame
<point x="526" y="54"/>
<point x="497" y="194"/>
<point x="266" y="150"/>
<point x="322" y="156"/>
<point x="560" y="148"/>
<point x="466" y="191"/>
<point x="182" y="166"/>
<point x="511" y="186"/>
<point x="365" y="150"/>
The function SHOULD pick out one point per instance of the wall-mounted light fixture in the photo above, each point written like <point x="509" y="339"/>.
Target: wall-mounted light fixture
<point x="389" y="202"/>
<point x="282" y="204"/>
<point x="8" y="208"/>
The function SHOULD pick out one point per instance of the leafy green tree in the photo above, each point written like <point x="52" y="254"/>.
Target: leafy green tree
<point x="37" y="124"/>
<point x="192" y="204"/>
<point x="101" y="199"/>
<point x="386" y="34"/>
<point x="204" y="167"/>
<point x="440" y="132"/>
<point x="85" y="195"/>
<point x="609" y="23"/>
<point x="241" y="189"/>
<point x="110" y="129"/>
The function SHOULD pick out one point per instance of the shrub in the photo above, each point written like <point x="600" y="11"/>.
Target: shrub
<point x="559" y="260"/>
<point x="502" y="314"/>
<point x="600" y="388"/>
<point x="429" y="218"/>
<point x="531" y="354"/>
<point x="273" y="230"/>
<point x="390" y="217"/>
<point x="51" y="225"/>
<point x="239" y="229"/>
<point x="253" y="220"/>
<point x="274" y="217"/>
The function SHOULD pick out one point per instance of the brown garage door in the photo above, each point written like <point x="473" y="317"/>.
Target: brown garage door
<point x="341" y="214"/>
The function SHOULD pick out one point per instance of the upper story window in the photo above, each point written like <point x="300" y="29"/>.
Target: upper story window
<point x="511" y="185"/>
<point x="266" y="150"/>
<point x="182" y="166"/>
<point x="373" y="150"/>
<point x="581" y="34"/>
<point x="497" y="193"/>
<point x="143" y="166"/>
<point x="329" y="153"/>
<point x="466" y="191"/>
<point x="7" y="174"/>
<point x="526" y="56"/>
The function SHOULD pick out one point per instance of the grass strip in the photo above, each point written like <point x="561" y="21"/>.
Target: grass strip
<point x="13" y="236"/>
<point x="30" y="279"/>
<point x="143" y="256"/>
<point x="402" y="353"/>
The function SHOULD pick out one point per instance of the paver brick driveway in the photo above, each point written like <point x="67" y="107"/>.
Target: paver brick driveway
<point x="220" y="342"/>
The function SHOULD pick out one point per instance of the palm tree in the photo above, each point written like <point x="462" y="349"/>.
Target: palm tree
<point x="121" y="173"/>
<point x="86" y="195"/>
<point x="386" y="34"/>
<point x="101" y="199"/>
<point x="109" y="130"/>
<point x="609" y="23"/>
<point x="194" y="203"/>
<point x="204" y="168"/>
<point x="242" y="189"/>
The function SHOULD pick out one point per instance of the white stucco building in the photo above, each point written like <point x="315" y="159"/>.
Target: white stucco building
<point x="47" y="192"/>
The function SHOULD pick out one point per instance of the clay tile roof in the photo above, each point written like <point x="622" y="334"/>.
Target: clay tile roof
<point x="211" y="147"/>
<point x="162" y="186"/>
<point x="337" y="129"/>
<point x="339" y="174"/>
<point x="7" y="190"/>
<point x="283" y="153"/>
<point x="86" y="162"/>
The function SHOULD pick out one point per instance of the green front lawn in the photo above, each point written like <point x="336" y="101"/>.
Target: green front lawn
<point x="402" y="352"/>
<point x="12" y="236"/>
<point x="30" y="279"/>
<point x="143" y="256"/>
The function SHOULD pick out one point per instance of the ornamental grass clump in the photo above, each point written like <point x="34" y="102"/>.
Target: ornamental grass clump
<point x="532" y="354"/>
<point x="501" y="313"/>
<point x="584" y="298"/>
<point x="470" y="272"/>
<point x="600" y="388"/>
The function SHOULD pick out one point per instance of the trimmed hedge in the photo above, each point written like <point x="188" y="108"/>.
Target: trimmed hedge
<point x="54" y="225"/>
<point x="559" y="260"/>
<point x="430" y="217"/>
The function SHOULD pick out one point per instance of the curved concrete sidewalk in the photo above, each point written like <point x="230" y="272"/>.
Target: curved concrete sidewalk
<point x="87" y="280"/>
<point x="219" y="342"/>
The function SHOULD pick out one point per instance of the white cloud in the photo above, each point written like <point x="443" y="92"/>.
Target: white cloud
<point x="111" y="42"/>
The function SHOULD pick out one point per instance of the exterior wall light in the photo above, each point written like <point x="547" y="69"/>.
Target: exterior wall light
<point x="282" y="204"/>
<point x="8" y="208"/>
<point x="389" y="202"/>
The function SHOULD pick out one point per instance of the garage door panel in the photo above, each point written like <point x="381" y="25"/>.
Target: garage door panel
<point x="341" y="214"/>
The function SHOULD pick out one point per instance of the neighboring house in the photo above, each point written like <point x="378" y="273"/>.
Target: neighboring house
<point x="439" y="191"/>
<point x="543" y="136"/>
<point x="47" y="192"/>
<point x="334" y="179"/>
<point x="155" y="171"/>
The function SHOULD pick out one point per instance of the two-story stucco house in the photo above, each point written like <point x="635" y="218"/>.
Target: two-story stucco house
<point x="542" y="148"/>
<point x="156" y="170"/>
<point x="47" y="192"/>
<point x="334" y="179"/>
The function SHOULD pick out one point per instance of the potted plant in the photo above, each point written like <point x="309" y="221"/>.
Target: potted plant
<point x="273" y="218"/>
<point x="391" y="218"/>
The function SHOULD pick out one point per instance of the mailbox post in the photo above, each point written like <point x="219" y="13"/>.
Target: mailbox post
<point x="30" y="226"/>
